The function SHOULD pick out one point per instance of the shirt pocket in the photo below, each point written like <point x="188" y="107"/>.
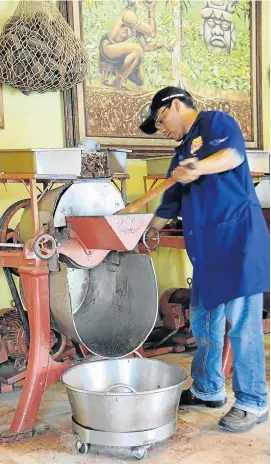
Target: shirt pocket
<point x="224" y="242"/>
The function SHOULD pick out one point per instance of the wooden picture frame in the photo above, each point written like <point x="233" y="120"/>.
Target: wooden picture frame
<point x="88" y="113"/>
<point x="1" y="108"/>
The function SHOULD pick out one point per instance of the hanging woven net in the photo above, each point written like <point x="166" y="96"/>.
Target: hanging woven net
<point x="39" y="51"/>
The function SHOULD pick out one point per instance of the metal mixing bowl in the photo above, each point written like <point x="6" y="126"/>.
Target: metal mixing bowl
<point x="124" y="395"/>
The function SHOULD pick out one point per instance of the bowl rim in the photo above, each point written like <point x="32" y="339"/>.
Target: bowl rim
<point x="132" y="394"/>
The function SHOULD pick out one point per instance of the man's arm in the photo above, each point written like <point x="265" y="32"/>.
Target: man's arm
<point x="170" y="206"/>
<point x="152" y="45"/>
<point x="158" y="223"/>
<point x="131" y="19"/>
<point x="148" y="46"/>
<point x="221" y="161"/>
<point x="222" y="149"/>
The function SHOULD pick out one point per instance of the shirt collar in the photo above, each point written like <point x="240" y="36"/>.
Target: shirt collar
<point x="191" y="130"/>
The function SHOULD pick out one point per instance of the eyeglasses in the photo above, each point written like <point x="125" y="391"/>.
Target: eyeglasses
<point x="158" y="121"/>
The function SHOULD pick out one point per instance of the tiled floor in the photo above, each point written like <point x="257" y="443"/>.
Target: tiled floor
<point x="198" y="440"/>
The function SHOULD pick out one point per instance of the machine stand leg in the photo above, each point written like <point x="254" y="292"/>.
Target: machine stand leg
<point x="11" y="437"/>
<point x="35" y="286"/>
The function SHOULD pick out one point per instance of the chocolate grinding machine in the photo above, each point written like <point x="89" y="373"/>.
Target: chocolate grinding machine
<point x="97" y="296"/>
<point x="77" y="258"/>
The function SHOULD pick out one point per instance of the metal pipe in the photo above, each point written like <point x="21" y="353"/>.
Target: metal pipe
<point x="156" y="345"/>
<point x="11" y="245"/>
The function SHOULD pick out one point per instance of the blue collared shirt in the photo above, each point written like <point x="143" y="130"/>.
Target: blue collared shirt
<point x="225" y="233"/>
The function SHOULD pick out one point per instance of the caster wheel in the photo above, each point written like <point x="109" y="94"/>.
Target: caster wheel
<point x="139" y="453"/>
<point x="82" y="448"/>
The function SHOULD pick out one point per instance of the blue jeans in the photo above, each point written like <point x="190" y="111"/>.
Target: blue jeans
<point x="245" y="316"/>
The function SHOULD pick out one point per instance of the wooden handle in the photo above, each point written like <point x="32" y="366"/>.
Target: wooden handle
<point x="135" y="205"/>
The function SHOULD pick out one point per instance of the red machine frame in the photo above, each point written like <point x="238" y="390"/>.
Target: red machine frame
<point x="42" y="371"/>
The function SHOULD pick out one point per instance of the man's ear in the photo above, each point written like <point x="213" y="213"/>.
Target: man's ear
<point x="176" y="103"/>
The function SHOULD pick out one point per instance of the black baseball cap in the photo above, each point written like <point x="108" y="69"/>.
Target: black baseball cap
<point x="162" y="98"/>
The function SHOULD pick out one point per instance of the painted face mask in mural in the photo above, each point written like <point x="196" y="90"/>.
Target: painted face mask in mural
<point x="217" y="28"/>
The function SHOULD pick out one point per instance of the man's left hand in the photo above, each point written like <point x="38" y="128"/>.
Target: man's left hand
<point x="187" y="171"/>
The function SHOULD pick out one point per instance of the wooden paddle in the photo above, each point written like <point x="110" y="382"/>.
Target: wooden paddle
<point x="135" y="205"/>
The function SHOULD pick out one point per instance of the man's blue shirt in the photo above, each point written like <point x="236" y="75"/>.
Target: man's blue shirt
<point x="225" y="233"/>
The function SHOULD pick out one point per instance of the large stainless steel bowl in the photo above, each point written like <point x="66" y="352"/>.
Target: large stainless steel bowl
<point x="124" y="395"/>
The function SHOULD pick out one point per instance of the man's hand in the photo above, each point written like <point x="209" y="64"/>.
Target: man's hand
<point x="188" y="171"/>
<point x="156" y="223"/>
<point x="161" y="43"/>
<point x="150" y="4"/>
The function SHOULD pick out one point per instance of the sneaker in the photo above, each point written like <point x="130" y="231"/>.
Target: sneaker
<point x="188" y="399"/>
<point x="237" y="420"/>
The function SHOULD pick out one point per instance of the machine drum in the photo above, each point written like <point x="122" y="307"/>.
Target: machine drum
<point x="110" y="309"/>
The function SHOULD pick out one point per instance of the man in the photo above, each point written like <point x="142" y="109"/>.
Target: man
<point x="227" y="242"/>
<point x="122" y="57"/>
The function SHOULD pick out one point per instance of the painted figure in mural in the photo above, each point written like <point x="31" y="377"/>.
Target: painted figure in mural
<point x="121" y="57"/>
<point x="217" y="27"/>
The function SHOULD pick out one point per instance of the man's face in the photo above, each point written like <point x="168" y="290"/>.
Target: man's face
<point x="170" y="120"/>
